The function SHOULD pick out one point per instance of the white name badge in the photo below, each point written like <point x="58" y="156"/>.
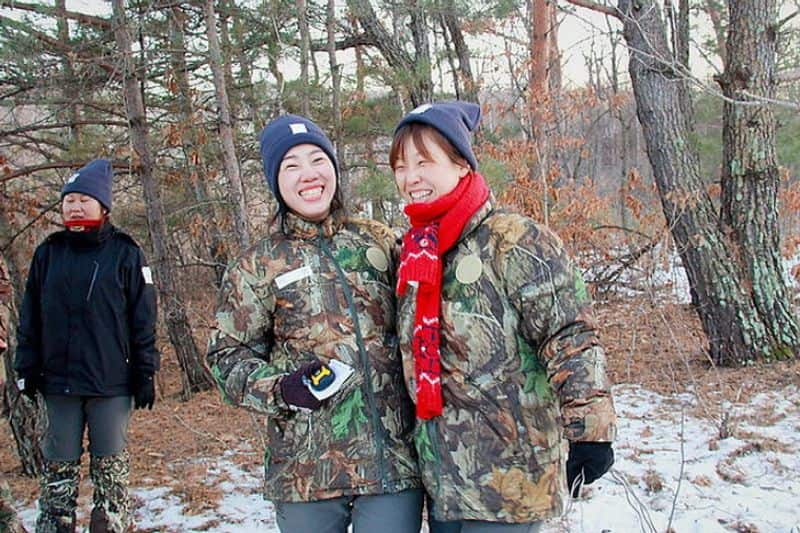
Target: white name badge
<point x="293" y="276"/>
<point x="147" y="274"/>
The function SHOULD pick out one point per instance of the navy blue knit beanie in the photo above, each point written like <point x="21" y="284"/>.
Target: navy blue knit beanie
<point x="283" y="134"/>
<point x="93" y="179"/>
<point x="455" y="120"/>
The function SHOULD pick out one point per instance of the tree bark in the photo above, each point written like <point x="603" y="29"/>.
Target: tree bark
<point x="305" y="47"/>
<point x="226" y="133"/>
<point x="192" y="144"/>
<point x="735" y="331"/>
<point x="24" y="417"/>
<point x="464" y="73"/>
<point x="195" y="377"/>
<point x="716" y="12"/>
<point x="336" y="91"/>
<point x="750" y="174"/>
<point x="419" y="86"/>
<point x="70" y="93"/>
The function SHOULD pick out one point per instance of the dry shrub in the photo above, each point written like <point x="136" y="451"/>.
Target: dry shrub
<point x="702" y="481"/>
<point x="653" y="482"/>
<point x="727" y="469"/>
<point x="738" y="526"/>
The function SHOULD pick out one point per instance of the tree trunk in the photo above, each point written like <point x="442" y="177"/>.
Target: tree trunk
<point x="464" y="72"/>
<point x="735" y="331"/>
<point x="245" y="58"/>
<point x="226" y="133"/>
<point x="24" y="417"/>
<point x="336" y="91"/>
<point x="72" y="113"/>
<point x="419" y="86"/>
<point x="195" y="377"/>
<point x="305" y="47"/>
<point x="750" y="174"/>
<point x="538" y="96"/>
<point x="422" y="71"/>
<point x="716" y="13"/>
<point x="192" y="145"/>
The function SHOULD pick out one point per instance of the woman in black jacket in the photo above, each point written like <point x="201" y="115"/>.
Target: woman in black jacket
<point x="86" y="342"/>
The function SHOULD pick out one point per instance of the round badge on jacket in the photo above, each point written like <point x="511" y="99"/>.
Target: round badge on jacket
<point x="469" y="269"/>
<point x="377" y="259"/>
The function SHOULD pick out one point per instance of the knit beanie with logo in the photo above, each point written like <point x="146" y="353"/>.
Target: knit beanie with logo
<point x="94" y="179"/>
<point x="454" y="119"/>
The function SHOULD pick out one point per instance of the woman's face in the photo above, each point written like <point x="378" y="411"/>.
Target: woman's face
<point x="77" y="206"/>
<point x="307" y="181"/>
<point x="423" y="179"/>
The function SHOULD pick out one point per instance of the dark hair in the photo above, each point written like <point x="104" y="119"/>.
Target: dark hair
<point x="417" y="132"/>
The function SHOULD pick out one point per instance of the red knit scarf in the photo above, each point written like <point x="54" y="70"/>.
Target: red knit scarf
<point x="435" y="228"/>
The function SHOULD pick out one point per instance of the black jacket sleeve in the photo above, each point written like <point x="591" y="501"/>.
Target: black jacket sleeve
<point x="145" y="358"/>
<point x="29" y="331"/>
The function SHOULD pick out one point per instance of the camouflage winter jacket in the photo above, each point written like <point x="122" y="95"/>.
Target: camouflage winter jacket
<point x="521" y="370"/>
<point x="326" y="291"/>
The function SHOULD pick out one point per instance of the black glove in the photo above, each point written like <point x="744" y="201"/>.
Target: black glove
<point x="592" y="459"/>
<point x="294" y="391"/>
<point x="28" y="383"/>
<point x="144" y="391"/>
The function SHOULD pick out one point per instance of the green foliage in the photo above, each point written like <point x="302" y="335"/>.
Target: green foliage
<point x="377" y="185"/>
<point x="496" y="173"/>
<point x="422" y="441"/>
<point x="535" y="372"/>
<point x="370" y="117"/>
<point x="350" y="411"/>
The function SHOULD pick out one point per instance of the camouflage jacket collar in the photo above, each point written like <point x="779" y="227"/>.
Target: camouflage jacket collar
<point x="298" y="227"/>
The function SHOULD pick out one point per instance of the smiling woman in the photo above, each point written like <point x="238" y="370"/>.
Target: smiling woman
<point x="305" y="334"/>
<point x="498" y="346"/>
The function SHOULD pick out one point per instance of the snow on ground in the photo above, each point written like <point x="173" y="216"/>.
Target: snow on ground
<point x="746" y="483"/>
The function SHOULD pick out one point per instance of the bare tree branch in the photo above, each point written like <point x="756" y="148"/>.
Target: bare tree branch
<point x="50" y="10"/>
<point x="57" y="125"/>
<point x="594" y="6"/>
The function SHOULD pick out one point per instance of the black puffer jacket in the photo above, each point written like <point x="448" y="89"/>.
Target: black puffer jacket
<point x="88" y="318"/>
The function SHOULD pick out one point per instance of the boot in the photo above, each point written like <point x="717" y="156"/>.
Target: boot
<point x="111" y="512"/>
<point x="58" y="498"/>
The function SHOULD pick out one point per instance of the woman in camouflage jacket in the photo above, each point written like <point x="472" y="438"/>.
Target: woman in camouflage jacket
<point x="499" y="351"/>
<point x="317" y="291"/>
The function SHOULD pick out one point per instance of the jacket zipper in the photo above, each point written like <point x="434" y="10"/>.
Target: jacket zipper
<point x="94" y="278"/>
<point x="374" y="418"/>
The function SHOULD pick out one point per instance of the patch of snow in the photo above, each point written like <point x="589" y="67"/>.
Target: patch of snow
<point x="660" y="449"/>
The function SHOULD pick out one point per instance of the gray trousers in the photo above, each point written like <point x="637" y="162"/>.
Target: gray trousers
<point x="476" y="526"/>
<point x="69" y="416"/>
<point x="384" y="513"/>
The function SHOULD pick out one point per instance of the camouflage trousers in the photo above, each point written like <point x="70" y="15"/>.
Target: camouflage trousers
<point x="59" y="495"/>
<point x="9" y="521"/>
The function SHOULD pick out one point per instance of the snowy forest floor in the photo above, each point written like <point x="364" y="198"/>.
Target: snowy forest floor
<point x="700" y="448"/>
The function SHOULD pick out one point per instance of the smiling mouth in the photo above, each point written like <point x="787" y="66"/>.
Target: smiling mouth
<point x="311" y="194"/>
<point x="420" y="195"/>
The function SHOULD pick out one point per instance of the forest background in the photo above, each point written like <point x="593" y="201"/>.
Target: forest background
<point x="667" y="138"/>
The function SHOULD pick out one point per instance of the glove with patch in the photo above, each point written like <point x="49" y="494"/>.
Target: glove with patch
<point x="294" y="390"/>
<point x="589" y="459"/>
